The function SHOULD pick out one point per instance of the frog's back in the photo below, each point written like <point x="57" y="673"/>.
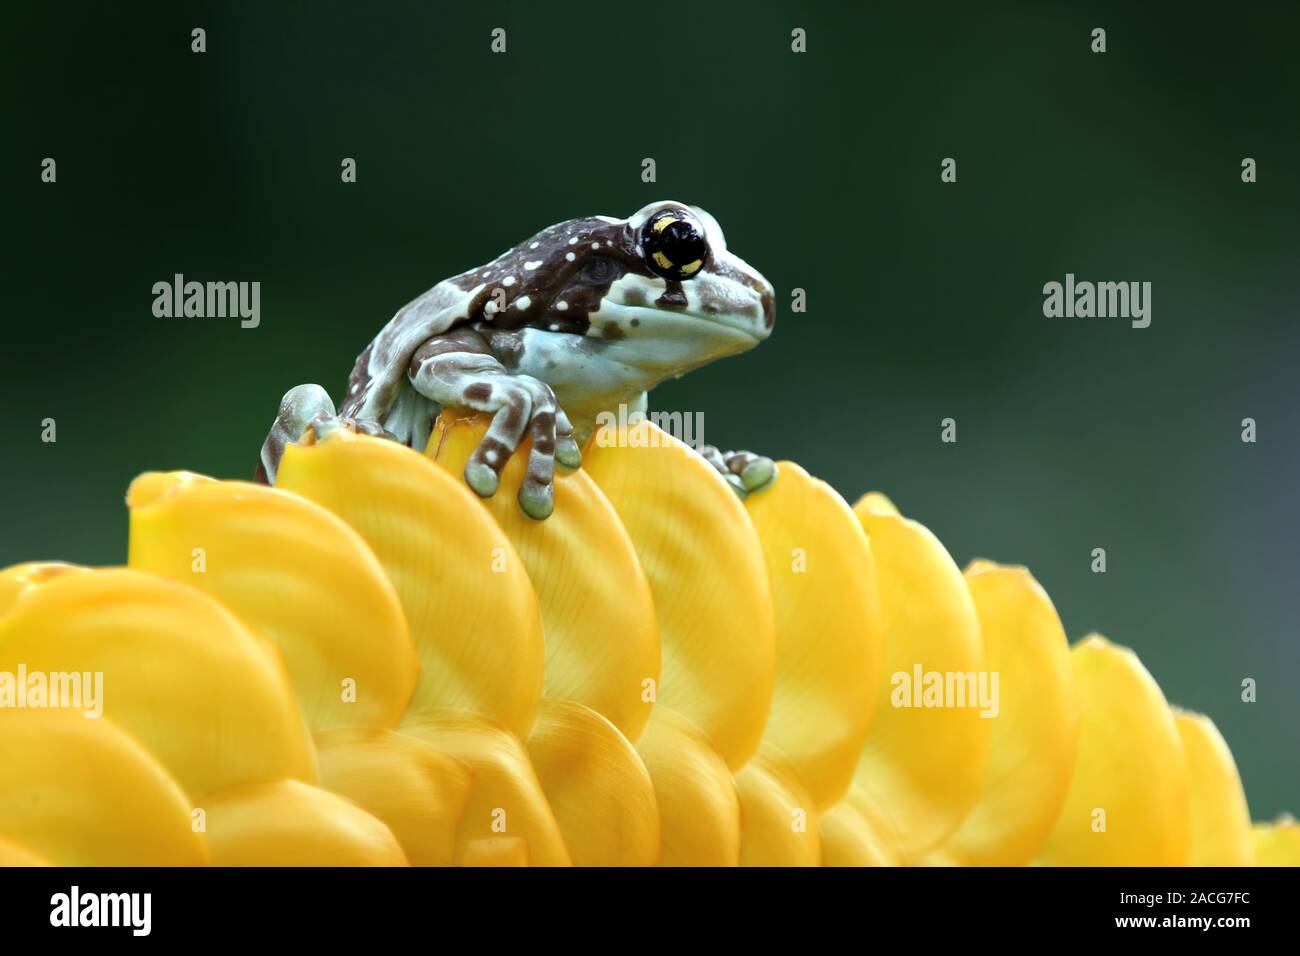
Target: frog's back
<point x="378" y="380"/>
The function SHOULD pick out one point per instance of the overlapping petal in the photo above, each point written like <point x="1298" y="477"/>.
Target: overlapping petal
<point x="596" y="785"/>
<point x="1033" y="730"/>
<point x="288" y="823"/>
<point x="471" y="609"/>
<point x="707" y="576"/>
<point x="413" y="787"/>
<point x="294" y="572"/>
<point x="1127" y="804"/>
<point x="699" y="812"/>
<point x="829" y="638"/>
<point x="855" y="833"/>
<point x="778" y="814"/>
<point x="506" y="803"/>
<point x="204" y="695"/>
<point x="78" y="791"/>
<point x="602" y="643"/>
<point x="1218" y="820"/>
<point x="922" y="766"/>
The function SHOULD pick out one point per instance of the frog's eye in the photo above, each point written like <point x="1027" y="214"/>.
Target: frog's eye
<point x="673" y="244"/>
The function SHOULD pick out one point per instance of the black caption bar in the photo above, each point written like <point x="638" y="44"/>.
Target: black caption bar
<point x="332" y="906"/>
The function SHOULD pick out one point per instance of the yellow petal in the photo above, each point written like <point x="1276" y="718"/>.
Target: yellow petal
<point x="699" y="813"/>
<point x="922" y="765"/>
<point x="853" y="833"/>
<point x="416" y="789"/>
<point x="602" y="644"/>
<point x="1277" y="843"/>
<point x="876" y="503"/>
<point x="182" y="674"/>
<point x="829" y="641"/>
<point x="708" y="577"/>
<point x="471" y="609"/>
<point x="1130" y="776"/>
<point x="496" y="851"/>
<point x="11" y="854"/>
<point x="596" y="785"/>
<point x="286" y="823"/>
<point x="77" y="791"/>
<point x="506" y="798"/>
<point x="1032" y="737"/>
<point x="294" y="572"/>
<point x="778" y="815"/>
<point x="1218" y="820"/>
<point x="18" y="577"/>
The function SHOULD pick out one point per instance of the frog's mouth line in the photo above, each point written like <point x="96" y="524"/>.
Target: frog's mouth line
<point x="638" y="321"/>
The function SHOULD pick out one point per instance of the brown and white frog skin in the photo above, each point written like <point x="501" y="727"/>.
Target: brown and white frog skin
<point x="583" y="317"/>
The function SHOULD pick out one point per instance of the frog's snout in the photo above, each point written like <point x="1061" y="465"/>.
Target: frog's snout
<point x="763" y="302"/>
<point x="767" y="297"/>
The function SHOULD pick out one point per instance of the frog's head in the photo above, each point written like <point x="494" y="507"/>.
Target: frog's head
<point x="658" y="291"/>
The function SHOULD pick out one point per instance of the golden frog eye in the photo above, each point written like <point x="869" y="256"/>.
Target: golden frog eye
<point x="673" y="244"/>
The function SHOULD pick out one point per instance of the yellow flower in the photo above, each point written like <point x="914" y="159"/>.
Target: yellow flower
<point x="369" y="665"/>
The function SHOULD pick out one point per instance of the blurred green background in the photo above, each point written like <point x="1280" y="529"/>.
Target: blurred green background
<point x="924" y="299"/>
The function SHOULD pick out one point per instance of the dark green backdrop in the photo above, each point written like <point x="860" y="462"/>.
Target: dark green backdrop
<point x="924" y="299"/>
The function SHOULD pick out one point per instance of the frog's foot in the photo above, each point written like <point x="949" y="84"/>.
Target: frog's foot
<point x="746" y="472"/>
<point x="458" y="370"/>
<point x="304" y="407"/>
<point x="519" y="405"/>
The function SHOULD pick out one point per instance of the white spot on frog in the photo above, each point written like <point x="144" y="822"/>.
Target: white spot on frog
<point x="508" y="281"/>
<point x="570" y="256"/>
<point x="530" y="266"/>
<point x="573" y="240"/>
<point x="561" y="306"/>
<point x="533" y="245"/>
<point x="522" y="302"/>
<point x="595" y="245"/>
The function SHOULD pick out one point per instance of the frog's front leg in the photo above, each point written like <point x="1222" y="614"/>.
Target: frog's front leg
<point x="457" y="369"/>
<point x="303" y="407"/>
<point x="746" y="472"/>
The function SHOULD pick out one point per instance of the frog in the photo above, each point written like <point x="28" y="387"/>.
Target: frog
<point x="584" y="317"/>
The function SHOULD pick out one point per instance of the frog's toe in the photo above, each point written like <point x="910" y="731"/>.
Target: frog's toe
<point x="300" y="408"/>
<point x="481" y="478"/>
<point x="567" y="453"/>
<point x="759" y="474"/>
<point x="744" y="471"/>
<point x="754" y="471"/>
<point x="537" y="500"/>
